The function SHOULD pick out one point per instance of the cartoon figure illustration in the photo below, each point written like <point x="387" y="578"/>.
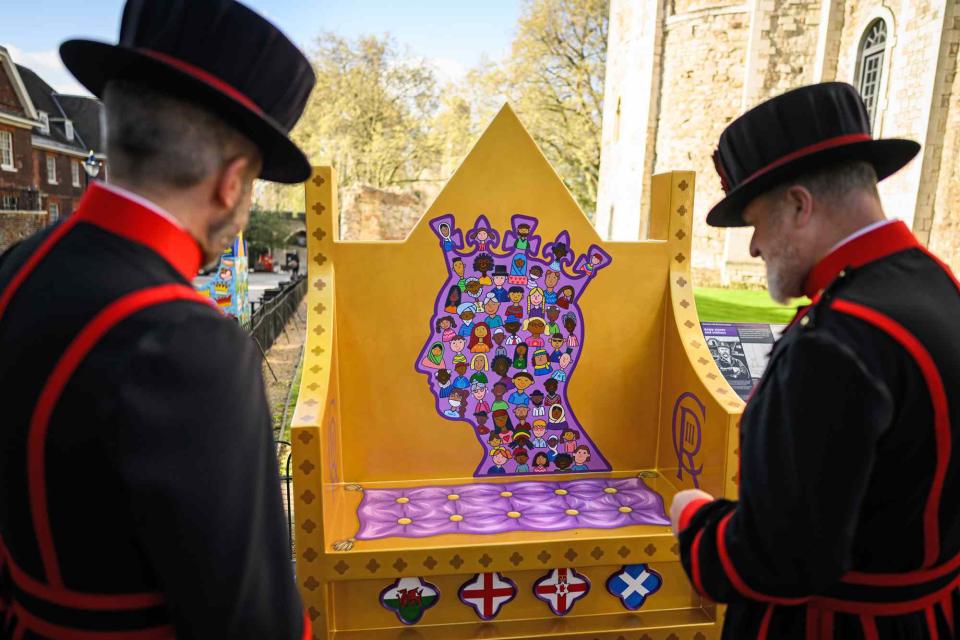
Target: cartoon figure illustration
<point x="520" y="323"/>
<point x="581" y="456"/>
<point x="539" y="430"/>
<point x="481" y="237"/>
<point x="556" y="414"/>
<point x="479" y="391"/>
<point x="453" y="299"/>
<point x="480" y="341"/>
<point x="445" y="327"/>
<point x="518" y="270"/>
<point x="443" y="382"/>
<point x="560" y="375"/>
<point x="499" y="404"/>
<point x="563" y="461"/>
<point x="467" y="312"/>
<point x="457" y="265"/>
<point x="590" y="267"/>
<point x="514" y="310"/>
<point x="541" y="363"/>
<point x="444" y="230"/>
<point x="549" y="285"/>
<point x="457" y="407"/>
<point x="479" y="362"/>
<point x="482" y="264"/>
<point x="499" y="279"/>
<point x="498" y="337"/>
<point x="536" y="327"/>
<point x="523" y="237"/>
<point x="512" y="326"/>
<point x="434" y="359"/>
<point x="536" y="272"/>
<point x="520" y="356"/>
<point x="491" y="306"/>
<point x="559" y="252"/>
<point x="537" y="410"/>
<point x="521" y="381"/>
<point x="570" y="324"/>
<point x="501" y="366"/>
<point x="499" y="456"/>
<point x="481" y="419"/>
<point x="535" y="303"/>
<point x="553" y="314"/>
<point x="541" y="463"/>
<point x="520" y="457"/>
<point x="457" y="345"/>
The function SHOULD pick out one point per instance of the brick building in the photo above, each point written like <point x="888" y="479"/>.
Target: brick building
<point x="45" y="138"/>
<point x="679" y="70"/>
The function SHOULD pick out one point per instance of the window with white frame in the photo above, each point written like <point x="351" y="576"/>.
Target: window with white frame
<point x="873" y="46"/>
<point x="68" y="129"/>
<point x="51" y="169"/>
<point x="6" y="150"/>
<point x="75" y="172"/>
<point x="44" y="123"/>
<point x="54" y="212"/>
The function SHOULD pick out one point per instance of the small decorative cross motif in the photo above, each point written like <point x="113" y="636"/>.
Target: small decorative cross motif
<point x="681" y="282"/>
<point x="456" y="561"/>
<point x="373" y="566"/>
<point x="597" y="553"/>
<point x="318" y="208"/>
<point x="516" y="558"/>
<point x="318" y="180"/>
<point x="680" y="235"/>
<point x="399" y="565"/>
<point x="682" y="210"/>
<point x="308" y="496"/>
<point x="485" y="560"/>
<point x="319" y="234"/>
<point x="306" y="466"/>
<point x="650" y="549"/>
<point x="684" y="303"/>
<point x="308" y="526"/>
<point x="680" y="258"/>
<point x="623" y="551"/>
<point x="311" y="583"/>
<point x="570" y="555"/>
<point x="430" y="563"/>
<point x="341" y="567"/>
<point x="543" y="557"/>
<point x="319" y="308"/>
<point x="683" y="185"/>
<point x="633" y="584"/>
<point x="688" y="324"/>
<point x="310" y="554"/>
<point x="305" y="437"/>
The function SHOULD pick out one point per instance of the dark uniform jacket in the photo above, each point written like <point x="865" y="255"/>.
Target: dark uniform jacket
<point x="139" y="493"/>
<point x="848" y="523"/>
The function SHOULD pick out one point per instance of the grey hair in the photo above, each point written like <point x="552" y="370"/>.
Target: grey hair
<point x="154" y="137"/>
<point x="836" y="180"/>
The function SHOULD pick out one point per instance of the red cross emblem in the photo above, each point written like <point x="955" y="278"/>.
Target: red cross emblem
<point x="560" y="589"/>
<point x="487" y="592"/>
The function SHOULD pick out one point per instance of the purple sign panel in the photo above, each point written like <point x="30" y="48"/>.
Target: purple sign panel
<point x="506" y="334"/>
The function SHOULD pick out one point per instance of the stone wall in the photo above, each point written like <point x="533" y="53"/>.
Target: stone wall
<point x="701" y="92"/>
<point x="791" y="41"/>
<point x="367" y="213"/>
<point x="945" y="233"/>
<point x="14" y="226"/>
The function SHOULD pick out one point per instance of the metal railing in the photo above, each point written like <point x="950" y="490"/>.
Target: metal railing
<point x="269" y="317"/>
<point x="20" y="200"/>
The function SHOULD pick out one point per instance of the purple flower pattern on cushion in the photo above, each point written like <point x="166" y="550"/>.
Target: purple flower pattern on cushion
<point x="589" y="503"/>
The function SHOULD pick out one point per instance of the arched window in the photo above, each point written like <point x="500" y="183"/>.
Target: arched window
<point x="870" y="65"/>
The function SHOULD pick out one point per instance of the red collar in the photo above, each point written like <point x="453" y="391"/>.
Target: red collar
<point x="879" y="243"/>
<point x="121" y="216"/>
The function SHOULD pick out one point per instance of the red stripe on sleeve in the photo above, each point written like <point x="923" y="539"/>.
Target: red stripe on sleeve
<point x="941" y="416"/>
<point x="689" y="511"/>
<point x="869" y="625"/>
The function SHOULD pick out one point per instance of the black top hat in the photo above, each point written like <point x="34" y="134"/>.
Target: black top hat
<point x="794" y="133"/>
<point x="500" y="270"/>
<point x="217" y="53"/>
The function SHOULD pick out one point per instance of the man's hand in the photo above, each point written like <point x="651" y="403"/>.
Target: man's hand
<point x="680" y="501"/>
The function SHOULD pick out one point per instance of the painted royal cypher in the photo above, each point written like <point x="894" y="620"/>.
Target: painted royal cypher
<point x="506" y="334"/>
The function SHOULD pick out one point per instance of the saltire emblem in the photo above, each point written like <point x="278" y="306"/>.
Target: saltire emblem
<point x="486" y="593"/>
<point x="633" y="584"/>
<point x="560" y="589"/>
<point x="409" y="598"/>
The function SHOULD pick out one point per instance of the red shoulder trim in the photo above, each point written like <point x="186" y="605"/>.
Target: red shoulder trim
<point x="75" y="353"/>
<point x="941" y="415"/>
<point x="689" y="511"/>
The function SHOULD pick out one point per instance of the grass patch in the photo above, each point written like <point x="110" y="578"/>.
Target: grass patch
<point x="742" y="305"/>
<point x="294" y="394"/>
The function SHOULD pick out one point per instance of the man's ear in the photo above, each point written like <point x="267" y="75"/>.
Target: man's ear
<point x="799" y="203"/>
<point x="233" y="179"/>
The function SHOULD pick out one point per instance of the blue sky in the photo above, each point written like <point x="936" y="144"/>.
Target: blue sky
<point x="452" y="34"/>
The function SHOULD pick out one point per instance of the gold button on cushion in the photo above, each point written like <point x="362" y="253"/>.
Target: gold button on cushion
<point x="561" y="492"/>
<point x="624" y="509"/>
<point x="456" y="518"/>
<point x="572" y="512"/>
<point x="513" y="514"/>
<point x="403" y="500"/>
<point x="453" y="496"/>
<point x="609" y="490"/>
<point x="404" y="521"/>
<point x="506" y="494"/>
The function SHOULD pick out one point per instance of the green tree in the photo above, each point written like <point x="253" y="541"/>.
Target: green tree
<point x="265" y="231"/>
<point x="554" y="79"/>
